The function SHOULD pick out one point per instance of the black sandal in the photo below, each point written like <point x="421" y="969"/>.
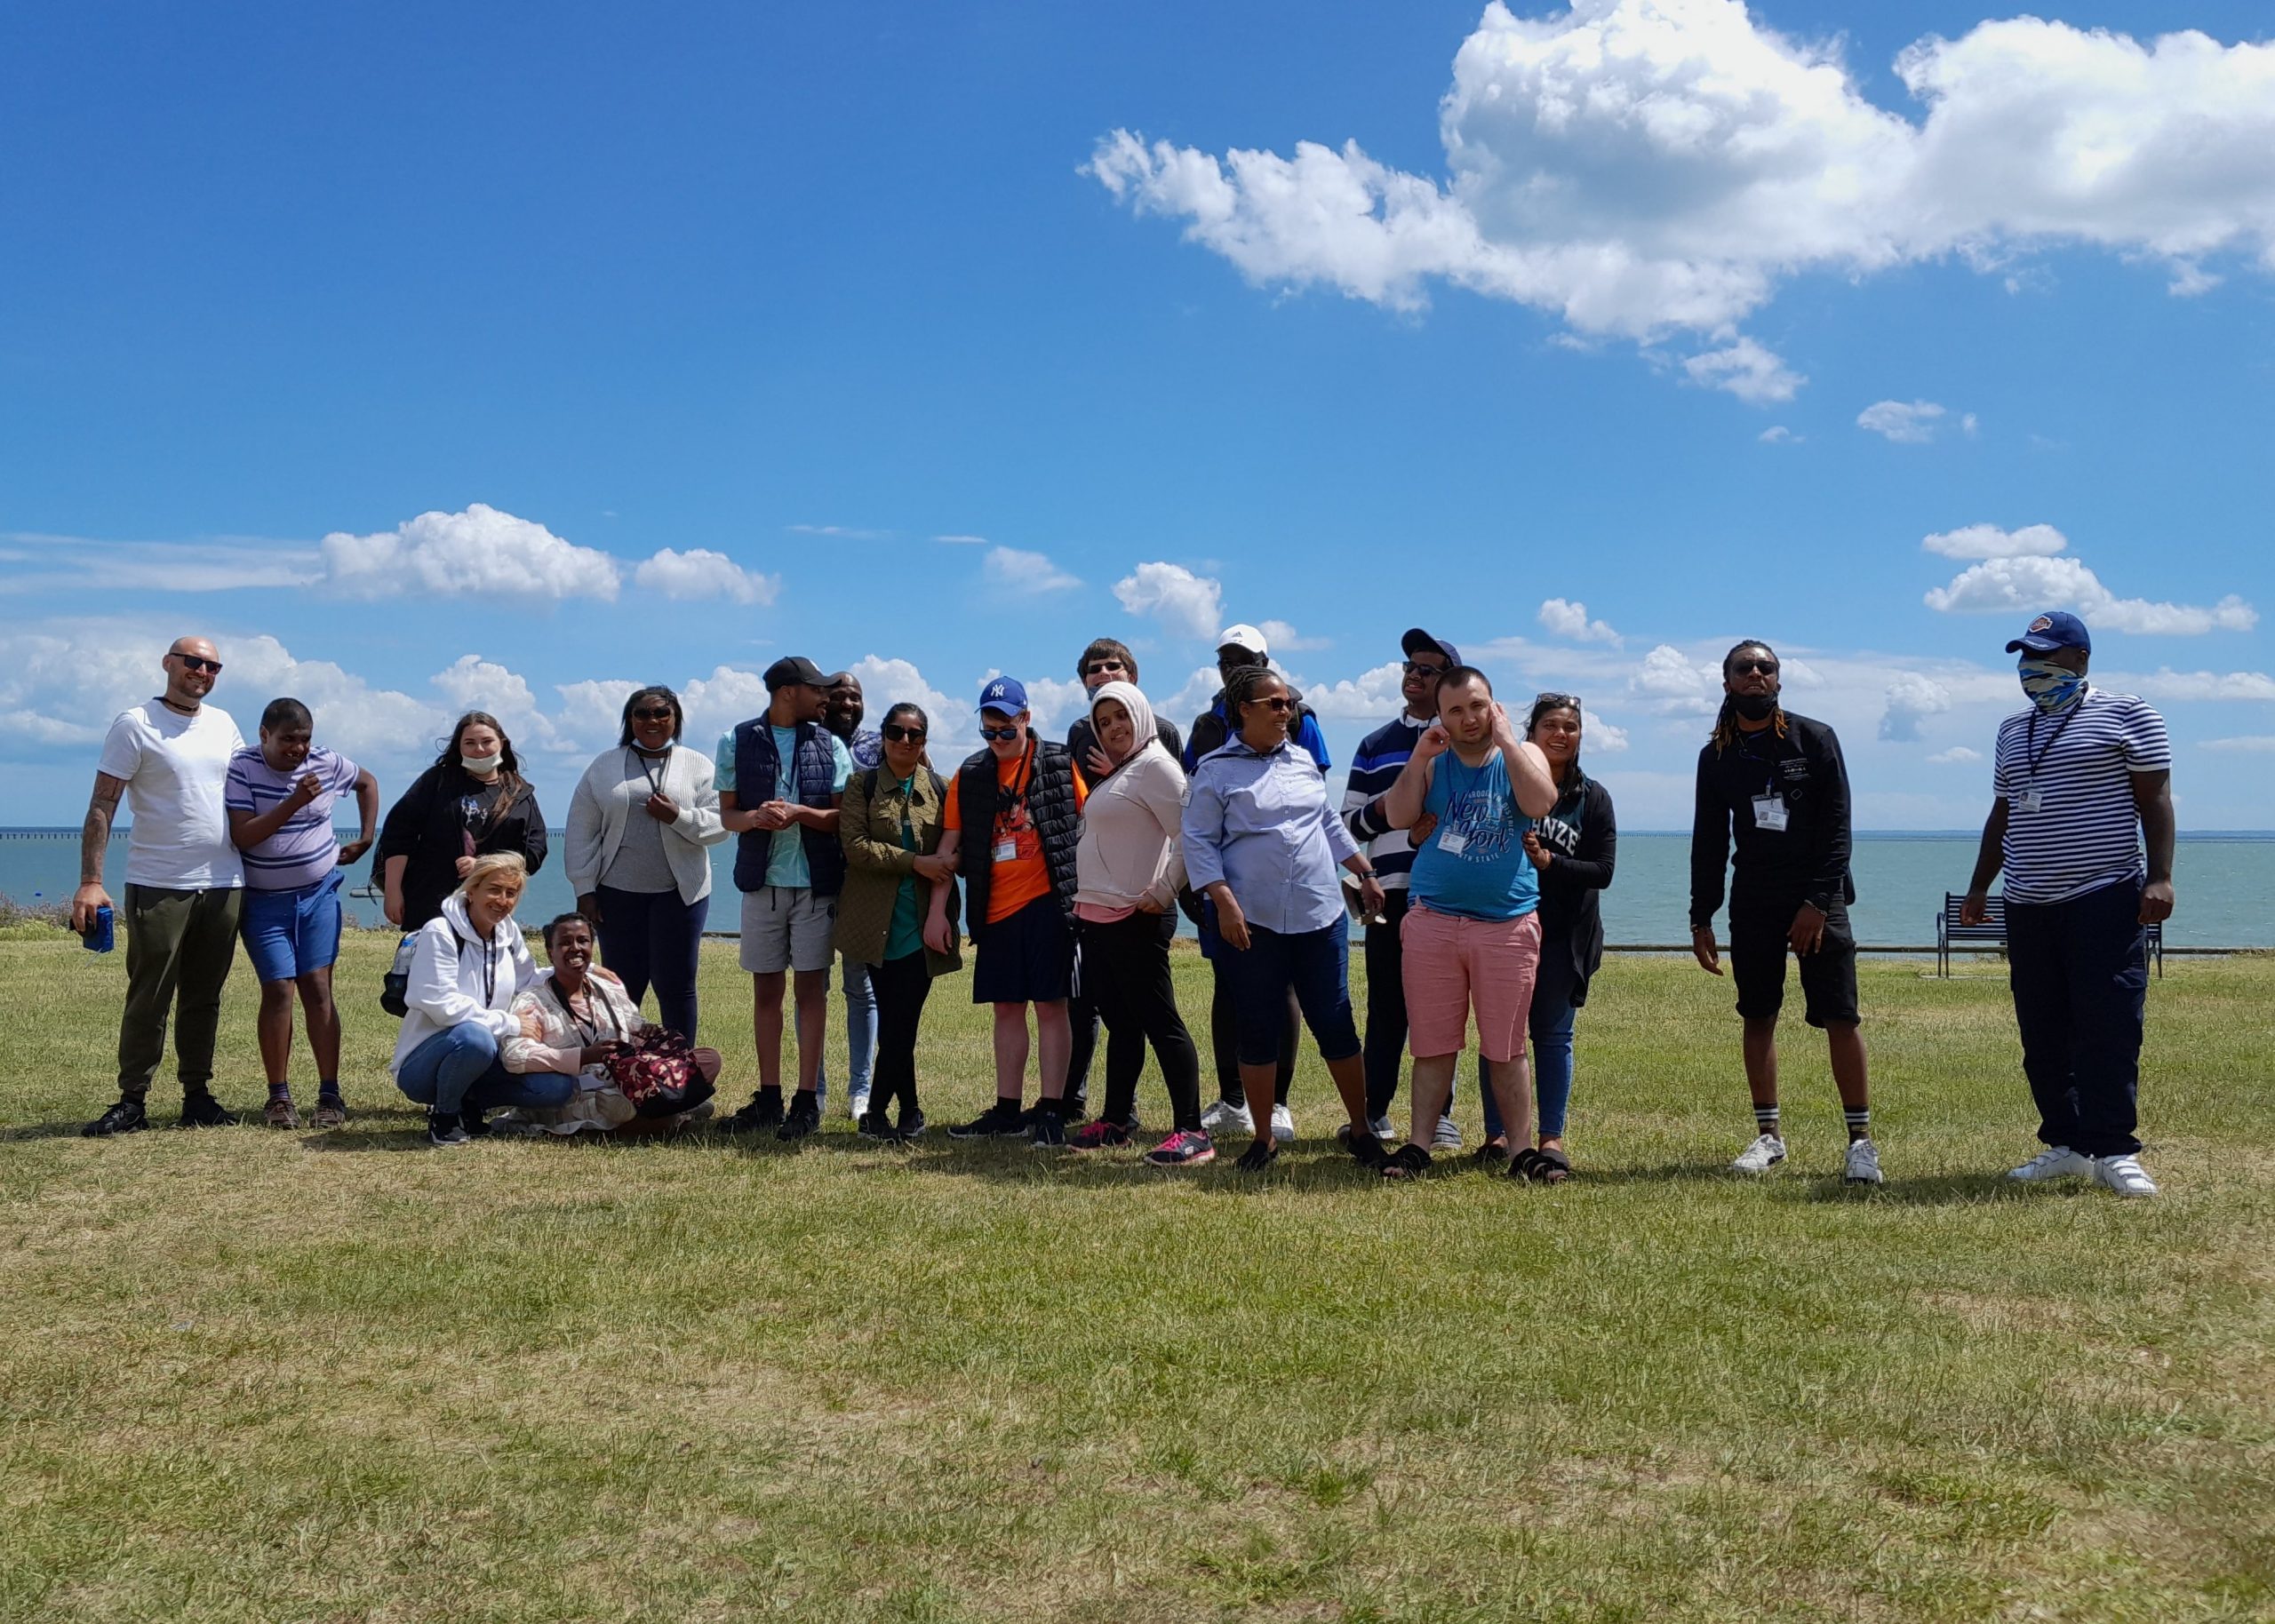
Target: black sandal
<point x="1527" y="1166"/>
<point x="1490" y="1151"/>
<point x="1554" y="1167"/>
<point x="1406" y="1162"/>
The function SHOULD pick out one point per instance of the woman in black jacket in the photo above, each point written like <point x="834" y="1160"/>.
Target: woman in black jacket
<point x="472" y="802"/>
<point x="1572" y="848"/>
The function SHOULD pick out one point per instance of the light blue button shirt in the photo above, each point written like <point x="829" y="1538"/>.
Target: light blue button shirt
<point x="1262" y="823"/>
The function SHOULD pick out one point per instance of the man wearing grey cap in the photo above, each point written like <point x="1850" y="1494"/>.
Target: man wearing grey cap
<point x="780" y="778"/>
<point x="2079" y="776"/>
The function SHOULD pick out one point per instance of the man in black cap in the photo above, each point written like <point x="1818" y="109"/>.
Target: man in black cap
<point x="1776" y="783"/>
<point x="2080" y="775"/>
<point x="1381" y="757"/>
<point x="780" y="776"/>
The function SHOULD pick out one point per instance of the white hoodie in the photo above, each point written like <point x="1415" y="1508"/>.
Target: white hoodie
<point x="457" y="977"/>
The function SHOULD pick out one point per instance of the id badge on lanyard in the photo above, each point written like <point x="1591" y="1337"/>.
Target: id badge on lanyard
<point x="1453" y="842"/>
<point x="1770" y="814"/>
<point x="1007" y="850"/>
<point x="2031" y="801"/>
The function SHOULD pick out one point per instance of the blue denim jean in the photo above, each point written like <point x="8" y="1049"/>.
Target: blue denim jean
<point x="1549" y="1027"/>
<point x="459" y="1069"/>
<point x="860" y="1035"/>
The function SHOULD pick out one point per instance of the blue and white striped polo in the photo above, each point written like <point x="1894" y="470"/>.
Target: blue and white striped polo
<point x="2067" y="780"/>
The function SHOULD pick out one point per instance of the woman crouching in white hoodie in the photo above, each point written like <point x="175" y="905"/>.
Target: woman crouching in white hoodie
<point x="466" y="968"/>
<point x="1126" y="870"/>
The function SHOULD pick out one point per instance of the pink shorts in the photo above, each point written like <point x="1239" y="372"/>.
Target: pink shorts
<point x="1453" y="965"/>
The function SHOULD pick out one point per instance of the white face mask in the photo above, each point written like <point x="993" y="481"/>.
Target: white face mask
<point x="482" y="767"/>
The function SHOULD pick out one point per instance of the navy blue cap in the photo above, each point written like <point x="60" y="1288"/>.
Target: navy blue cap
<point x="1416" y="640"/>
<point x="1008" y="695"/>
<point x="2047" y="633"/>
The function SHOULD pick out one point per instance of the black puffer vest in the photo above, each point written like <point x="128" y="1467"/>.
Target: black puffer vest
<point x="1051" y="805"/>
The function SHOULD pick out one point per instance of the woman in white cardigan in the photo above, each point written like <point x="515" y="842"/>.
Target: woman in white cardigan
<point x="1127" y="872"/>
<point x="641" y="825"/>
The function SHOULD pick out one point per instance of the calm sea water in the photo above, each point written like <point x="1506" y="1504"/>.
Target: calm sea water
<point x="2225" y="883"/>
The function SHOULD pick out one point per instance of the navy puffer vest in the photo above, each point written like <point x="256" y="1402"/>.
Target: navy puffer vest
<point x="1051" y="805"/>
<point x="758" y="768"/>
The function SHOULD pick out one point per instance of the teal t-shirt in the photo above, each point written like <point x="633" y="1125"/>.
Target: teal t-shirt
<point x="1474" y="865"/>
<point x="907" y="934"/>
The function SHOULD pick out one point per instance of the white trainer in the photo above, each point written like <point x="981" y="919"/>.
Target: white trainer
<point x="1863" y="1163"/>
<point x="857" y="1102"/>
<point x="1449" y="1136"/>
<point x="1224" y="1117"/>
<point x="1284" y="1125"/>
<point x="2054" y="1162"/>
<point x="1383" y="1131"/>
<point x="2124" y="1175"/>
<point x="1759" y="1157"/>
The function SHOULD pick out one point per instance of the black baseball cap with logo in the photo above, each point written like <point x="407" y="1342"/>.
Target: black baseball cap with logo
<point x="795" y="671"/>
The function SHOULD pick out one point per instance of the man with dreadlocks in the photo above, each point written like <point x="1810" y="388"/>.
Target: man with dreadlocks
<point x="1777" y="780"/>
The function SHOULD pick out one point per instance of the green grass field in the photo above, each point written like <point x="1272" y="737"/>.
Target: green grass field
<point x="270" y="1376"/>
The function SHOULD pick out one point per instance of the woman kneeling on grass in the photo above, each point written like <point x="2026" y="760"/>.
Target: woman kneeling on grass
<point x="571" y="1021"/>
<point x="1262" y="844"/>
<point x="465" y="971"/>
<point x="1128" y="870"/>
<point x="890" y="826"/>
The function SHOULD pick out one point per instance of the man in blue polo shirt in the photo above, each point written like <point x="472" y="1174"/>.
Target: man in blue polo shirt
<point x="2080" y="775"/>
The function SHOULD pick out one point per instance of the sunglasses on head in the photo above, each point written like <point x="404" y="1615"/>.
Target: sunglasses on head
<point x="196" y="662"/>
<point x="1556" y="702"/>
<point x="1004" y="734"/>
<point x="901" y="733"/>
<point x="1768" y="668"/>
<point x="652" y="712"/>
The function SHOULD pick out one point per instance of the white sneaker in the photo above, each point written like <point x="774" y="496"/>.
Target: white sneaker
<point x="1224" y="1117"/>
<point x="2124" y="1175"/>
<point x="858" y="1104"/>
<point x="2054" y="1162"/>
<point x="1759" y="1157"/>
<point x="1383" y="1131"/>
<point x="1449" y="1136"/>
<point x="1283" y="1125"/>
<point x="1863" y="1163"/>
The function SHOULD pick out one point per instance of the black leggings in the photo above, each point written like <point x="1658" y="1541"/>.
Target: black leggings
<point x="901" y="985"/>
<point x="655" y="938"/>
<point x="1126" y="973"/>
<point x="1224" y="1038"/>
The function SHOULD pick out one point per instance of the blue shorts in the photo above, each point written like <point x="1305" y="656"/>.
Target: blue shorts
<point x="1028" y="958"/>
<point x="290" y="932"/>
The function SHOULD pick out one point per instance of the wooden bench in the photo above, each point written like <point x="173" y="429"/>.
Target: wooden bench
<point x="1993" y="930"/>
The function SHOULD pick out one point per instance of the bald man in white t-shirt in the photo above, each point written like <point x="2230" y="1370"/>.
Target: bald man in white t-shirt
<point x="168" y="758"/>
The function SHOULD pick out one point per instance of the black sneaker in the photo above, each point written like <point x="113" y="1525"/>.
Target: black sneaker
<point x="442" y="1130"/>
<point x="804" y="1119"/>
<point x="874" y="1125"/>
<point x="126" y="1117"/>
<point x="912" y="1124"/>
<point x="1257" y="1157"/>
<point x="203" y="1110"/>
<point x="1002" y="1120"/>
<point x="471" y="1124"/>
<point x="764" y="1111"/>
<point x="1050" y="1131"/>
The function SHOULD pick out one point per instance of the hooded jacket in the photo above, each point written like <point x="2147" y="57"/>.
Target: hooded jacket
<point x="1129" y="846"/>
<point x="457" y="977"/>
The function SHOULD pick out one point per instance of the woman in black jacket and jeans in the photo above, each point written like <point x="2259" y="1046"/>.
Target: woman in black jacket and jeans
<point x="1572" y="848"/>
<point x="472" y="802"/>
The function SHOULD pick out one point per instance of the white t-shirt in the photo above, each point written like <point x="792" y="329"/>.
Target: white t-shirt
<point x="176" y="769"/>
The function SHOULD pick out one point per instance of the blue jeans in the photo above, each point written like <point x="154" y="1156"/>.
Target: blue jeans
<point x="860" y="1036"/>
<point x="459" y="1069"/>
<point x="2079" y="971"/>
<point x="653" y="938"/>
<point x="1549" y="1026"/>
<point x="1317" y="963"/>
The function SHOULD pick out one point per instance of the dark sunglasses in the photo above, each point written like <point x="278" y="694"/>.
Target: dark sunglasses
<point x="652" y="713"/>
<point x="900" y="734"/>
<point x="1096" y="666"/>
<point x="1277" y="703"/>
<point x="1005" y="734"/>
<point x="1415" y="667"/>
<point x="199" y="663"/>
<point x="1768" y="668"/>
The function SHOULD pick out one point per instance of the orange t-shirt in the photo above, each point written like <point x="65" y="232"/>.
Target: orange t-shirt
<point x="1020" y="878"/>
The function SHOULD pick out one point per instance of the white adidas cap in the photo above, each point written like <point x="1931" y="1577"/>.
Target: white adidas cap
<point x="1242" y="637"/>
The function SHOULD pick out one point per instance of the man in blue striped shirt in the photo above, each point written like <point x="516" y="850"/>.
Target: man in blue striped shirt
<point x="2080" y="775"/>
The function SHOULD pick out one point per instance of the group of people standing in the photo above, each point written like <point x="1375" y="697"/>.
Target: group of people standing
<point x="1469" y="843"/>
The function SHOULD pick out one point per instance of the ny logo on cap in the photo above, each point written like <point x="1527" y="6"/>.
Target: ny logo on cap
<point x="2044" y="622"/>
<point x="999" y="687"/>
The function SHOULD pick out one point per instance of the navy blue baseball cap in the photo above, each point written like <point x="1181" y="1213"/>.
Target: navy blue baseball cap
<point x="2048" y="633"/>
<point x="1007" y="695"/>
<point x="1416" y="642"/>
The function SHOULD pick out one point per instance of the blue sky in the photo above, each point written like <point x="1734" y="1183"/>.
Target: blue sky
<point x="1639" y="305"/>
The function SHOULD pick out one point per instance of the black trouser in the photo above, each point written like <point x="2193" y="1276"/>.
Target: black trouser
<point x="1127" y="1047"/>
<point x="1125" y="974"/>
<point x="901" y="985"/>
<point x="652" y="937"/>
<point x="2079" y="971"/>
<point x="1224" y="1038"/>
<point x="1384" y="1046"/>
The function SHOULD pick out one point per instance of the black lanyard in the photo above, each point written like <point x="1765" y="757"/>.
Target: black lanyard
<point x="1768" y="764"/>
<point x="490" y="971"/>
<point x="1014" y="803"/>
<point x="590" y="1034"/>
<point x="2037" y="757"/>
<point x="655" y="780"/>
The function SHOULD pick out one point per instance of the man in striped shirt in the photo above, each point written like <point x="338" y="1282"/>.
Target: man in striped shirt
<point x="2080" y="775"/>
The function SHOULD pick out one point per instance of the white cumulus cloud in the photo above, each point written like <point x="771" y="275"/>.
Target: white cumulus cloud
<point x="1569" y="618"/>
<point x="1910" y="697"/>
<point x="1958" y="754"/>
<point x="1285" y="639"/>
<point x="1904" y="422"/>
<point x="1024" y="574"/>
<point x="702" y="576"/>
<point x="2030" y="583"/>
<point x="1639" y="168"/>
<point x="1189" y="604"/>
<point x="2168" y="684"/>
<point x="479" y="553"/>
<point x="2257" y="743"/>
<point x="1372" y="696"/>
<point x="1989" y="541"/>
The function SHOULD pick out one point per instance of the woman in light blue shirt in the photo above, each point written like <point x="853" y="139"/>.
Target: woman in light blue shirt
<point x="1262" y="844"/>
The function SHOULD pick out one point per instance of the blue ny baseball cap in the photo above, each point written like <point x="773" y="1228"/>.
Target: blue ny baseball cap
<point x="2047" y="633"/>
<point x="1007" y="695"/>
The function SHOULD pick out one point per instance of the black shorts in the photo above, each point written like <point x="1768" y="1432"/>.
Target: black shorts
<point x="1760" y="944"/>
<point x="1028" y="958"/>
